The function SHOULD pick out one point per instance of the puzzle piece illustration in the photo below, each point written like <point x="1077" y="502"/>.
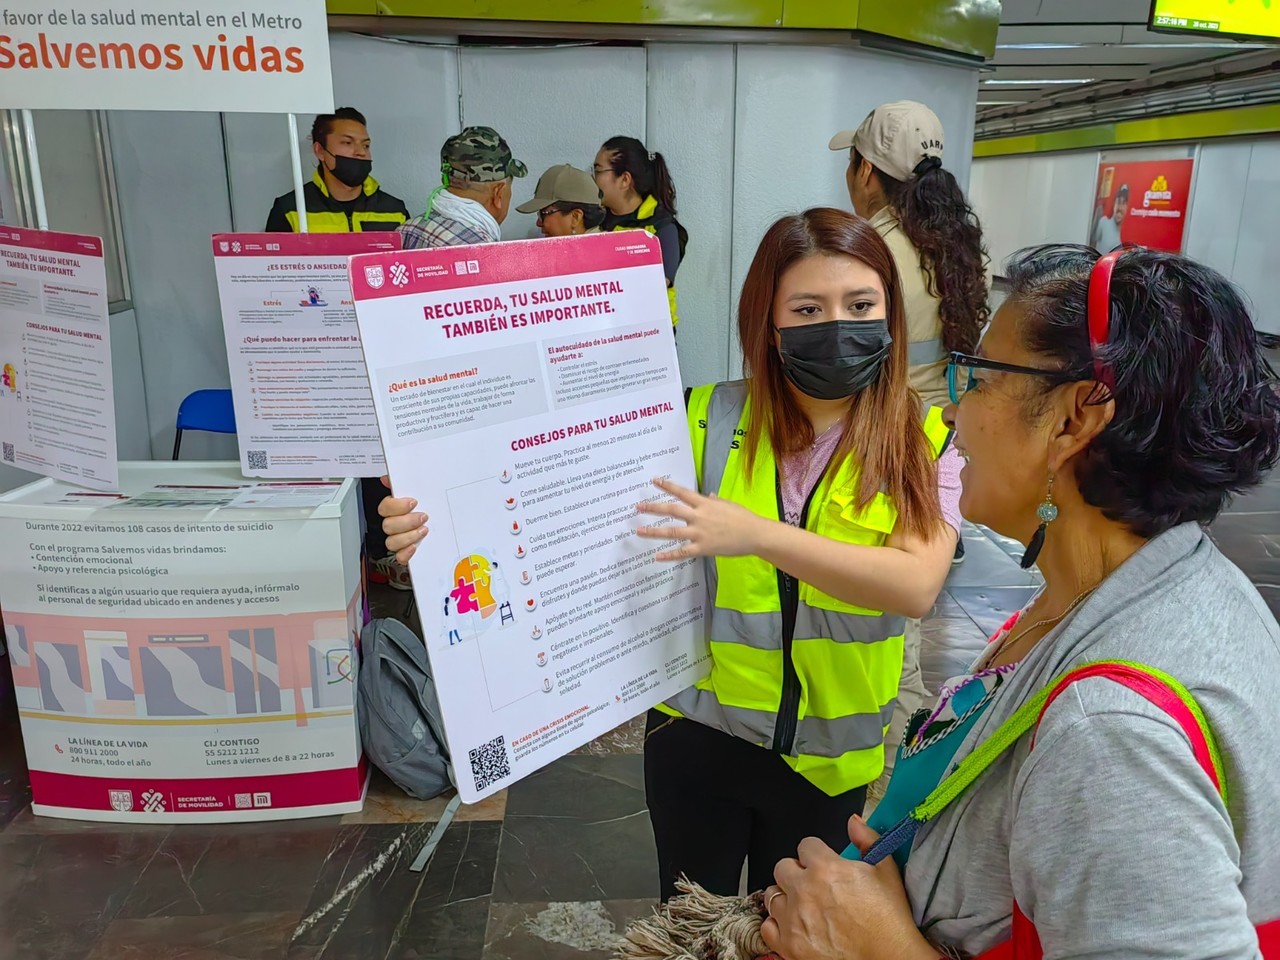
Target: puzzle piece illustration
<point x="464" y="597"/>
<point x="480" y="577"/>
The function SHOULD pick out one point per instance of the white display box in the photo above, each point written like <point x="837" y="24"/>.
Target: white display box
<point x="177" y="659"/>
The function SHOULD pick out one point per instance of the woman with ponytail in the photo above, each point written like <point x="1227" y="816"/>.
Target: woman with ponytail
<point x="639" y="194"/>
<point x="896" y="180"/>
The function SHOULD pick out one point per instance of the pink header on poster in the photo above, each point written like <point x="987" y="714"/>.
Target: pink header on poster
<point x="51" y="241"/>
<point x="303" y="244"/>
<point x="453" y="268"/>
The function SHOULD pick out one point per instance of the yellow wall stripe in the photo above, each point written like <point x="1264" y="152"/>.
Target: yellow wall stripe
<point x="1204" y="125"/>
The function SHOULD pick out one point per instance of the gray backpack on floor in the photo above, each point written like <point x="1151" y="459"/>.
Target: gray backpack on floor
<point x="400" y="724"/>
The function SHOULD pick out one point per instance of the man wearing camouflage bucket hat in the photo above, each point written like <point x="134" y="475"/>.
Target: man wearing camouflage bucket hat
<point x="475" y="196"/>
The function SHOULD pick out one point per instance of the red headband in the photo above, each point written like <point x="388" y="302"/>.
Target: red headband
<point x="1099" y="313"/>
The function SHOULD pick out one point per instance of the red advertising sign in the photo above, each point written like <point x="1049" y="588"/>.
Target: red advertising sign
<point x="1143" y="202"/>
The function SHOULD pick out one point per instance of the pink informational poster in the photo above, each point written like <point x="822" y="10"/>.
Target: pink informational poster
<point x="302" y="401"/>
<point x="168" y="667"/>
<point x="57" y="408"/>
<point x="528" y="393"/>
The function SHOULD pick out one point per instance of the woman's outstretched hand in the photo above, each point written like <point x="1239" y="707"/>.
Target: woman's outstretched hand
<point x="712" y="527"/>
<point x="404" y="528"/>
<point x="824" y="906"/>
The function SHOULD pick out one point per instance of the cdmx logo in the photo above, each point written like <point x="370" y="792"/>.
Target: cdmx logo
<point x="153" y="801"/>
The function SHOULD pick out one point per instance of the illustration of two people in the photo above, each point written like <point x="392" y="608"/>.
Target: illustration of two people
<point x="475" y="594"/>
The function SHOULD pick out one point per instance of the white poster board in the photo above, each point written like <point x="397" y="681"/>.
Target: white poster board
<point x="167" y="666"/>
<point x="303" y="407"/>
<point x="528" y="393"/>
<point x="271" y="56"/>
<point x="57" y="408"/>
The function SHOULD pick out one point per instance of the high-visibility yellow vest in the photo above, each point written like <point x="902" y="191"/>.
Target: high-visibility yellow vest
<point x="794" y="669"/>
<point x="650" y="218"/>
<point x="379" y="211"/>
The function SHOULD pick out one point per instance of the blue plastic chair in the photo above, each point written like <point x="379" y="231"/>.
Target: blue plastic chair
<point x="208" y="410"/>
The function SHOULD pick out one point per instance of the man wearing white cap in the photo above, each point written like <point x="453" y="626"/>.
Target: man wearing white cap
<point x="567" y="202"/>
<point x="896" y="179"/>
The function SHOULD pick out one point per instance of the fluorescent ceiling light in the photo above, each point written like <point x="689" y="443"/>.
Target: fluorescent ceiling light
<point x="1036" y="83"/>
<point x="1000" y="103"/>
<point x="1042" y="46"/>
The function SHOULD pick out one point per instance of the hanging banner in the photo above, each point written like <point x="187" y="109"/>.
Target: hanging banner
<point x="57" y="408"/>
<point x="527" y="394"/>
<point x="271" y="57"/>
<point x="1143" y="202"/>
<point x="303" y="407"/>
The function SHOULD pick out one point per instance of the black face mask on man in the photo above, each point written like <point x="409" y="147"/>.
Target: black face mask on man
<point x="350" y="170"/>
<point x="835" y="359"/>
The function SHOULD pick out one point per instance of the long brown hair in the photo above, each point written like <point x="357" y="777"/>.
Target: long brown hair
<point x="884" y="424"/>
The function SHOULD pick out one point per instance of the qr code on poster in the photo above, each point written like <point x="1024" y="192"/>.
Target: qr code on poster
<point x="257" y="459"/>
<point x="8" y="453"/>
<point x="490" y="763"/>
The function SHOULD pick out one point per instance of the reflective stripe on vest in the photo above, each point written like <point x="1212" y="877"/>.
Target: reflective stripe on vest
<point x="329" y="221"/>
<point x="848" y="659"/>
<point x="922" y="352"/>
<point x="646" y="210"/>
<point x="335" y="221"/>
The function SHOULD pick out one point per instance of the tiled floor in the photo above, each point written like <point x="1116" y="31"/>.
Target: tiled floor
<point x="550" y="870"/>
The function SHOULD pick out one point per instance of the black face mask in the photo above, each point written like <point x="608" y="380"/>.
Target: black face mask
<point x="350" y="170"/>
<point x="836" y="359"/>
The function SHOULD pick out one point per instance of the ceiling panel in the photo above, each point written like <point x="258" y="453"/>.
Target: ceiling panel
<point x="1075" y="11"/>
<point x="998" y="96"/>
<point x="1112" y="56"/>
<point x="1054" y="71"/>
<point x="1059" y="33"/>
<point x="1091" y="41"/>
<point x="1085" y="56"/>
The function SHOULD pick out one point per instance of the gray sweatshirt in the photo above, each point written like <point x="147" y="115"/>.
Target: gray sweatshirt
<point x="1113" y="837"/>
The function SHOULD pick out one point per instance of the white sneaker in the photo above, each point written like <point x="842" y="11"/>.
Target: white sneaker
<point x="390" y="571"/>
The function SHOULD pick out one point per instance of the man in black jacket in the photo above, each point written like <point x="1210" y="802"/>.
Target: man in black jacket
<point x="341" y="197"/>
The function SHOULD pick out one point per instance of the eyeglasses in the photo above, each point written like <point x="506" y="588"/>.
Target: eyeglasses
<point x="548" y="211"/>
<point x="1098" y="317"/>
<point x="968" y="364"/>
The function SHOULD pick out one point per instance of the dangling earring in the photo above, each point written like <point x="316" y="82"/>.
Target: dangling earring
<point x="1047" y="512"/>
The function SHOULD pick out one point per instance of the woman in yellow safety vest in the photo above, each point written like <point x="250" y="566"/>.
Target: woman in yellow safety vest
<point x="828" y="523"/>
<point x="638" y="194"/>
